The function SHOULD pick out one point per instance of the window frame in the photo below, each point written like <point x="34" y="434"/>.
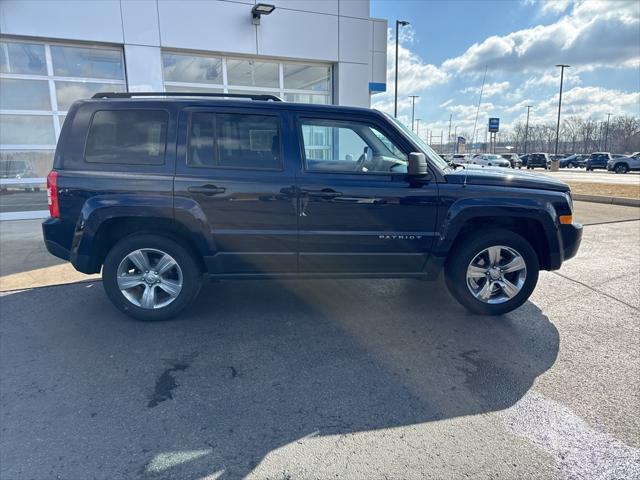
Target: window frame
<point x="128" y="165"/>
<point x="217" y="112"/>
<point x="401" y="145"/>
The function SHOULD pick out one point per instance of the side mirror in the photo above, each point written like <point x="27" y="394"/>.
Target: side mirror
<point x="417" y="164"/>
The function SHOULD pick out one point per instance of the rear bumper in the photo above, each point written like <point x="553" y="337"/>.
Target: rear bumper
<point x="57" y="235"/>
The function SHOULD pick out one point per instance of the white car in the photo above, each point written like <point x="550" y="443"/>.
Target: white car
<point x="461" y="158"/>
<point x="624" y="164"/>
<point x="490" y="160"/>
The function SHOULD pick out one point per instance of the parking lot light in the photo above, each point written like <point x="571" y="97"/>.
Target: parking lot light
<point x="399" y="23"/>
<point x="554" y="163"/>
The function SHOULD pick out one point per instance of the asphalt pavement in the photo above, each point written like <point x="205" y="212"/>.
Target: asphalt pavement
<point x="354" y="379"/>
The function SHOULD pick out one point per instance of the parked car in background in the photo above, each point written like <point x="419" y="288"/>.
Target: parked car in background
<point x="524" y="158"/>
<point x="574" y="161"/>
<point x="598" y="160"/>
<point x="624" y="164"/>
<point x="513" y="158"/>
<point x="538" y="160"/>
<point x="461" y="158"/>
<point x="490" y="160"/>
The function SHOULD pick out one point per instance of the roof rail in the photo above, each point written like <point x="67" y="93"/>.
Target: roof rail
<point x="262" y="97"/>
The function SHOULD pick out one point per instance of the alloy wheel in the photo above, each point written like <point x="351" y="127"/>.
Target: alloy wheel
<point x="496" y="274"/>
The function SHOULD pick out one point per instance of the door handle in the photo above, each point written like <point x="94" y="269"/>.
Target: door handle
<point x="207" y="190"/>
<point x="323" y="194"/>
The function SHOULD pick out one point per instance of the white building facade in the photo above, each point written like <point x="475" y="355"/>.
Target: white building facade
<point x="53" y="52"/>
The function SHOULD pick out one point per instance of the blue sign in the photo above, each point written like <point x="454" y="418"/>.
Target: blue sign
<point x="462" y="140"/>
<point x="494" y="124"/>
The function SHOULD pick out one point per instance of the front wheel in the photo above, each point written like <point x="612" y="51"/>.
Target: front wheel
<point x="150" y="277"/>
<point x="621" y="168"/>
<point x="492" y="273"/>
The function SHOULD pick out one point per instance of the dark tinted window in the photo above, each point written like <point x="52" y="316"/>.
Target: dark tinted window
<point x="134" y="137"/>
<point x="234" y="141"/>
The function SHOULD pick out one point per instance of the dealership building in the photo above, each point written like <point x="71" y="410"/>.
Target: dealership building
<point x="53" y="52"/>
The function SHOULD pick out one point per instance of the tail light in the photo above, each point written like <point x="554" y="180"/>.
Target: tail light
<point x="52" y="194"/>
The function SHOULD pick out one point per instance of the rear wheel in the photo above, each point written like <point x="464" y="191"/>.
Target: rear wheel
<point x="492" y="273"/>
<point x="150" y="277"/>
<point x="621" y="168"/>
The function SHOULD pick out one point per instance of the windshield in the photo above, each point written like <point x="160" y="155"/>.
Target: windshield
<point x="424" y="147"/>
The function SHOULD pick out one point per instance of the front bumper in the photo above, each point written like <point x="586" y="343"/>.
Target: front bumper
<point x="571" y="237"/>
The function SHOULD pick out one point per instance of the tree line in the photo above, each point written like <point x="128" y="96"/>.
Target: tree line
<point x="577" y="135"/>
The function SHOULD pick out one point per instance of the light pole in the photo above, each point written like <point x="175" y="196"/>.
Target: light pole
<point x="413" y="108"/>
<point x="554" y="163"/>
<point x="399" y="23"/>
<point x="606" y="134"/>
<point x="526" y="129"/>
<point x="449" y="135"/>
<point x="455" y="139"/>
<point x="418" y="126"/>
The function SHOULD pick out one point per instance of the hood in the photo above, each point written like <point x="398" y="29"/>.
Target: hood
<point x="505" y="177"/>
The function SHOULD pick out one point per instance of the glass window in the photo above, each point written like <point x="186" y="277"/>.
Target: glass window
<point x="24" y="94"/>
<point x="307" y="98"/>
<point x="252" y="73"/>
<point x="135" y="137"/>
<point x="27" y="130"/>
<point x="240" y="141"/>
<point x="87" y="62"/>
<point x="25" y="163"/>
<point x="69" y="92"/>
<point x="191" y="68"/>
<point x="24" y="58"/>
<point x="306" y="77"/>
<point x="177" y="88"/>
<point x="349" y="147"/>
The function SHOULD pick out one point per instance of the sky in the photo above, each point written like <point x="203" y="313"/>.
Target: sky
<point x="445" y="50"/>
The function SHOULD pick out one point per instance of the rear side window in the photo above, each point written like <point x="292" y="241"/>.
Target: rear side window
<point x="233" y="140"/>
<point x="131" y="137"/>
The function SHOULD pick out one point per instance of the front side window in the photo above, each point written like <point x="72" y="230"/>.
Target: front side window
<point x="234" y="140"/>
<point x="349" y="147"/>
<point x="133" y="137"/>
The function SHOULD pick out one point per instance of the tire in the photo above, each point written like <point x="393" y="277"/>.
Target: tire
<point x="621" y="168"/>
<point x="464" y="253"/>
<point x="186" y="274"/>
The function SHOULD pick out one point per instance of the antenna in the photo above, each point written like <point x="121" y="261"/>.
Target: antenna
<point x="473" y="137"/>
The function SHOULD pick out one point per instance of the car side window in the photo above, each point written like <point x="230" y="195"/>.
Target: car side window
<point x="349" y="147"/>
<point x="131" y="137"/>
<point x="233" y="140"/>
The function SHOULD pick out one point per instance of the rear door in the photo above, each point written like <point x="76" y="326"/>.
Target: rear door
<point x="232" y="175"/>
<point x="358" y="211"/>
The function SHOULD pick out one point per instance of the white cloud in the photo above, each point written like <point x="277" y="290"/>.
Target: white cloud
<point x="414" y="75"/>
<point x="595" y="34"/>
<point x="489" y="90"/>
<point x="555" y="6"/>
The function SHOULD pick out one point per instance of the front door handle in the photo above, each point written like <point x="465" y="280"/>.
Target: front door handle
<point x="207" y="190"/>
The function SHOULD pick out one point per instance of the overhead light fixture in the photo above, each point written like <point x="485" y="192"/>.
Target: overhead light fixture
<point x="260" y="9"/>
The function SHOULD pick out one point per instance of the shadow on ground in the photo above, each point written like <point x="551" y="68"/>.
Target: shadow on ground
<point x="252" y="367"/>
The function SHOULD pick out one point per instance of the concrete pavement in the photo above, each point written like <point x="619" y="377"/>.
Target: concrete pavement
<point x="345" y="379"/>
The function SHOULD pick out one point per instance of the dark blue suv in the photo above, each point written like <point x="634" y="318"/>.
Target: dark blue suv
<point x="158" y="190"/>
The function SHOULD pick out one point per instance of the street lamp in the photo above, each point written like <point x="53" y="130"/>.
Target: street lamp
<point x="399" y="23"/>
<point x="260" y="9"/>
<point x="413" y="108"/>
<point x="554" y="163"/>
<point x="526" y="129"/>
<point x="606" y="135"/>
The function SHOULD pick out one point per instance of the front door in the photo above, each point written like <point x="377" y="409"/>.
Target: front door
<point x="232" y="175"/>
<point x="359" y="213"/>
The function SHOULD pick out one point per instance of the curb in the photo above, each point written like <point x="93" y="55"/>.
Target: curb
<point x="626" y="202"/>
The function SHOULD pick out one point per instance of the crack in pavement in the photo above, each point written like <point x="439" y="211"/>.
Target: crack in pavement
<point x="596" y="290"/>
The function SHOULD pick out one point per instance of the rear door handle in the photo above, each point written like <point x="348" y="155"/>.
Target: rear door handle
<point x="324" y="194"/>
<point x="207" y="190"/>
